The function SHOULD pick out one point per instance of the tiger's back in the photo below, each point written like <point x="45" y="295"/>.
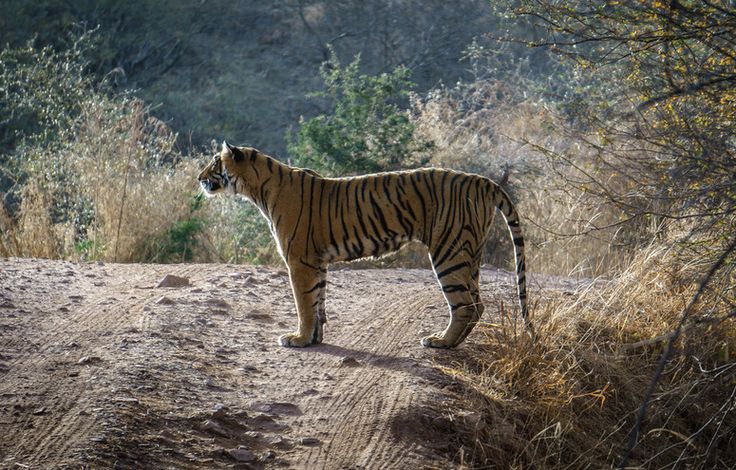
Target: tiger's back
<point x="317" y="221"/>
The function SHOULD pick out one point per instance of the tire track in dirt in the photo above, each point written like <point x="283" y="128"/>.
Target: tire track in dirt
<point x="194" y="380"/>
<point x="372" y="390"/>
<point x="59" y="344"/>
<point x="58" y="354"/>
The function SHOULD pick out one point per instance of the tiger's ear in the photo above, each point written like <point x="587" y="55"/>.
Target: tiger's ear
<point x="232" y="150"/>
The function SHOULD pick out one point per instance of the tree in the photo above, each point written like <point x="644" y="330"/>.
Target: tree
<point x="664" y="124"/>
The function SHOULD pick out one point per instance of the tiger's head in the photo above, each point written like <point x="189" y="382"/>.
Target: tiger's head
<point x="225" y="171"/>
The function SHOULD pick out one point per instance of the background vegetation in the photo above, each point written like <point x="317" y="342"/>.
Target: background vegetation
<point x="610" y="123"/>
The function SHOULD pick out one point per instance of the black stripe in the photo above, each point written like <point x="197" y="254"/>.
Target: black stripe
<point x="381" y="217"/>
<point x="319" y="285"/>
<point x="454" y="288"/>
<point x="451" y="269"/>
<point x="421" y="200"/>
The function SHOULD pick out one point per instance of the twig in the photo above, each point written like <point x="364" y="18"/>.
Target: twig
<point x="658" y="339"/>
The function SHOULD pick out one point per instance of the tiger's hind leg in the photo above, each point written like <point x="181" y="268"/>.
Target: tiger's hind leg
<point x="459" y="281"/>
<point x="308" y="285"/>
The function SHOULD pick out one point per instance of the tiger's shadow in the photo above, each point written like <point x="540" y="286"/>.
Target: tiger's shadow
<point x="349" y="357"/>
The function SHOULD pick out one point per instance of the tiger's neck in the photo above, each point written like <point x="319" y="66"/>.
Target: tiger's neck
<point x="265" y="181"/>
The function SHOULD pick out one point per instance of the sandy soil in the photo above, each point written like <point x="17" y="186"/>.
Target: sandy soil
<point x="101" y="369"/>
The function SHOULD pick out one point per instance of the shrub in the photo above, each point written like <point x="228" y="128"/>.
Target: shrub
<point x="96" y="174"/>
<point x="366" y="130"/>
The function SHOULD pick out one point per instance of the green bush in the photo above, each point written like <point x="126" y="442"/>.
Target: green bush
<point x="366" y="130"/>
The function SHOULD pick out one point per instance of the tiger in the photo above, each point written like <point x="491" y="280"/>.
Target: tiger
<point x="317" y="220"/>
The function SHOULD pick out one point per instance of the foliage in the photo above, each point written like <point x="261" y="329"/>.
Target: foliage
<point x="236" y="232"/>
<point x="180" y="242"/>
<point x="43" y="90"/>
<point x="665" y="122"/>
<point x="568" y="399"/>
<point x="659" y="134"/>
<point x="366" y="131"/>
<point x="85" y="163"/>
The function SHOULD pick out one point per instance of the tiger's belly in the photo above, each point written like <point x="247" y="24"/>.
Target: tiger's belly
<point x="364" y="247"/>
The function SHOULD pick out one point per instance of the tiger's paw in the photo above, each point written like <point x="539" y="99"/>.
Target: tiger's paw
<point x="436" y="341"/>
<point x="293" y="340"/>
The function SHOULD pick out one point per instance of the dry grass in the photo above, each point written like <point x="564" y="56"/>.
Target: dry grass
<point x="485" y="129"/>
<point x="121" y="170"/>
<point x="570" y="399"/>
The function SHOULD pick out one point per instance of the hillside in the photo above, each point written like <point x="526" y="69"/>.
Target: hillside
<point x="242" y="70"/>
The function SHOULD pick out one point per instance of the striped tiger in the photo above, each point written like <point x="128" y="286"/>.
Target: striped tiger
<point x="316" y="221"/>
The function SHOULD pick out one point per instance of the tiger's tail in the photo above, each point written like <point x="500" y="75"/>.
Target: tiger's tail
<point x="506" y="207"/>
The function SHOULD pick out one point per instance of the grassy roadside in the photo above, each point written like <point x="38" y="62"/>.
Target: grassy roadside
<point x="570" y="399"/>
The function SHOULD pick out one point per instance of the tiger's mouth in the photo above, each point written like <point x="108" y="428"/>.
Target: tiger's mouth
<point x="210" y="187"/>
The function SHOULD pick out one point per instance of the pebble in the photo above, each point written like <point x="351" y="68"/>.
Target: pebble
<point x="242" y="455"/>
<point x="173" y="281"/>
<point x="88" y="360"/>
<point x="308" y="441"/>
<point x="268" y="455"/>
<point x="215" y="428"/>
<point x="165" y="301"/>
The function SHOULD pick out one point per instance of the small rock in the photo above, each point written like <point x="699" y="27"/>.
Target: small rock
<point x="215" y="428"/>
<point x="275" y="440"/>
<point x="165" y="301"/>
<point x="173" y="281"/>
<point x="40" y="411"/>
<point x="220" y="411"/>
<point x="242" y="455"/>
<point x="349" y="361"/>
<point x="88" y="360"/>
<point x="309" y="441"/>
<point x="268" y="455"/>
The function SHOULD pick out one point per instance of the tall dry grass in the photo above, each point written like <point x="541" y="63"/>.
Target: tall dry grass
<point x="109" y="193"/>
<point x="570" y="399"/>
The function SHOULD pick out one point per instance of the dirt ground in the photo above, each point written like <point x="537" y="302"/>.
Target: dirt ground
<point x="101" y="369"/>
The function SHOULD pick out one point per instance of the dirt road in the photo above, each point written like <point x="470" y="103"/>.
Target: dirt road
<point x="101" y="369"/>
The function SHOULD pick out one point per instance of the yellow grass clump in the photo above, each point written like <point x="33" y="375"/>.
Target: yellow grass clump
<point x="570" y="399"/>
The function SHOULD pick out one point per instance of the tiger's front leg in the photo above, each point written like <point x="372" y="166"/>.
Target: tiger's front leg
<point x="307" y="285"/>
